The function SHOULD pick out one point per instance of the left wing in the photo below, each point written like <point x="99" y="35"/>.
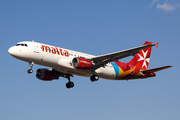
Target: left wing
<point x="104" y="59"/>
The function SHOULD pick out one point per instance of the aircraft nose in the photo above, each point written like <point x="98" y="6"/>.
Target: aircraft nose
<point x="10" y="51"/>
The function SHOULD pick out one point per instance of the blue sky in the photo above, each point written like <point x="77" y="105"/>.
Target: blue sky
<point x="96" y="27"/>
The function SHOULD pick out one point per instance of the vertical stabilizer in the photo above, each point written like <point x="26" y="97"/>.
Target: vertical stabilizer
<point x="141" y="59"/>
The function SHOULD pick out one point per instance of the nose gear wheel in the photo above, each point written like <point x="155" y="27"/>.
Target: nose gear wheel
<point x="30" y="71"/>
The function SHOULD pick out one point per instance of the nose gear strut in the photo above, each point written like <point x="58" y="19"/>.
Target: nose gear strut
<point x="30" y="65"/>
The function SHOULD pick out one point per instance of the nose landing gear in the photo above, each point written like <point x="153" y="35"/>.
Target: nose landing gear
<point x="30" y="65"/>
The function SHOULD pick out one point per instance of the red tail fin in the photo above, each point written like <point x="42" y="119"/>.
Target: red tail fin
<point x="142" y="58"/>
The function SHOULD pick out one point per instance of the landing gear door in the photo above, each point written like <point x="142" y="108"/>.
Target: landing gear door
<point x="36" y="47"/>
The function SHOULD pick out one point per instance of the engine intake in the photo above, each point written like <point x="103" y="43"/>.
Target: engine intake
<point x="45" y="75"/>
<point x="81" y="63"/>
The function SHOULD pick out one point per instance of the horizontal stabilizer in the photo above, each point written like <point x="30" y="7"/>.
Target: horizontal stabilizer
<point x="155" y="69"/>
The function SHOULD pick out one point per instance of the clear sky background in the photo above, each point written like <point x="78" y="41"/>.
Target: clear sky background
<point x="96" y="27"/>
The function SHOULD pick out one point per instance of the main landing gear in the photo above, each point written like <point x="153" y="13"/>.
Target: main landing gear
<point x="30" y="65"/>
<point x="69" y="84"/>
<point x="94" y="78"/>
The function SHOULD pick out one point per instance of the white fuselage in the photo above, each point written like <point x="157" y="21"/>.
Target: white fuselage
<point x="58" y="58"/>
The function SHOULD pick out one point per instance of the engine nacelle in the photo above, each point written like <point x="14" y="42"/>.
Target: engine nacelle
<point x="81" y="63"/>
<point x="45" y="75"/>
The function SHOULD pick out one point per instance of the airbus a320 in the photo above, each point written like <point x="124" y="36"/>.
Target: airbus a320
<point x="66" y="63"/>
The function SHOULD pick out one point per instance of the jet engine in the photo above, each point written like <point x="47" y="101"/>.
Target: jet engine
<point x="46" y="74"/>
<point x="81" y="63"/>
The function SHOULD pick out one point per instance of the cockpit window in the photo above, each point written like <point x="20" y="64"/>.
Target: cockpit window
<point x="18" y="44"/>
<point x="22" y="44"/>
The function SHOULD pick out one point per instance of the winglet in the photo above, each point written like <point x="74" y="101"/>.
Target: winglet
<point x="156" y="44"/>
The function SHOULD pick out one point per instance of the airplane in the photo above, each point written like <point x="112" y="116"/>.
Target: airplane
<point x="66" y="63"/>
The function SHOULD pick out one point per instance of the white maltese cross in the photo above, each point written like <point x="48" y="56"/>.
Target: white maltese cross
<point x="144" y="59"/>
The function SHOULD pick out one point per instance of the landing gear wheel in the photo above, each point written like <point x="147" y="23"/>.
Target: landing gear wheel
<point x="69" y="84"/>
<point x="94" y="78"/>
<point x="30" y="71"/>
